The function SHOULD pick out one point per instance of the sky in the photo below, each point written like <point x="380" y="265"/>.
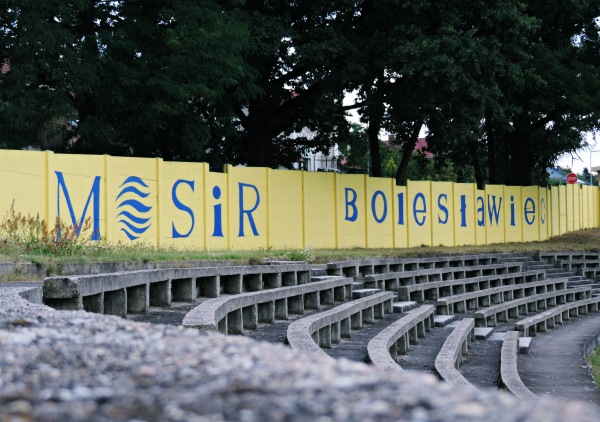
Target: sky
<point x="582" y="157"/>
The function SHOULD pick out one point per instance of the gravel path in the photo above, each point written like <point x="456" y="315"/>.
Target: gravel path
<point x="77" y="366"/>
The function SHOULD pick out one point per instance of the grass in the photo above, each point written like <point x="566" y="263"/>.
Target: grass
<point x="594" y="361"/>
<point x="29" y="239"/>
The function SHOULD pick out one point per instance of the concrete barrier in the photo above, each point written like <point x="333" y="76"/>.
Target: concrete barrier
<point x="363" y="267"/>
<point x="509" y="375"/>
<point x="470" y="301"/>
<point x="559" y="257"/>
<point x="134" y="291"/>
<point x="502" y="312"/>
<point x="450" y="356"/>
<point x="396" y="338"/>
<point x="322" y="330"/>
<point x="233" y="314"/>
<point x="529" y="327"/>
<point x="408" y="279"/>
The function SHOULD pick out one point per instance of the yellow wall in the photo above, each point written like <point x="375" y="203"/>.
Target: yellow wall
<point x="186" y="206"/>
<point x="380" y="213"/>
<point x="465" y="223"/>
<point x="419" y="213"/>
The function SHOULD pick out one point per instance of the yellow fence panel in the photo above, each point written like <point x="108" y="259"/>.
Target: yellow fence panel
<point x="442" y="220"/>
<point x="285" y="209"/>
<point x="380" y="214"/>
<point x="531" y="213"/>
<point x="513" y="223"/>
<point x="480" y="231"/>
<point x="569" y="201"/>
<point x="555" y="211"/>
<point x="132" y="200"/>
<point x="465" y="223"/>
<point x="562" y="209"/>
<point x="576" y="207"/>
<point x="419" y="216"/>
<point x="247" y="188"/>
<point x="494" y="214"/>
<point x="545" y="213"/>
<point x="216" y="210"/>
<point x="319" y="210"/>
<point x="182" y="205"/>
<point x="23" y="184"/>
<point x="80" y="199"/>
<point x="585" y="201"/>
<point x="351" y="211"/>
<point x="400" y="217"/>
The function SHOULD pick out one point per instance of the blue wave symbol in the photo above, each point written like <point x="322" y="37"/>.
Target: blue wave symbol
<point x="134" y="216"/>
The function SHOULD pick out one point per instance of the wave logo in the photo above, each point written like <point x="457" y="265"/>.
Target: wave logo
<point x="133" y="217"/>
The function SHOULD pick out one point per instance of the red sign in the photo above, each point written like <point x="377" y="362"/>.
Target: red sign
<point x="571" y="178"/>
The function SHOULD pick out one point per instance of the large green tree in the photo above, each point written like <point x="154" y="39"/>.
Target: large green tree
<point x="137" y="75"/>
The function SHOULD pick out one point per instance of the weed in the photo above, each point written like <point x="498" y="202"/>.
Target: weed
<point x="306" y="254"/>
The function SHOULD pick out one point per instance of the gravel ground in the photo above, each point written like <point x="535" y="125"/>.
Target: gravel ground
<point x="77" y="366"/>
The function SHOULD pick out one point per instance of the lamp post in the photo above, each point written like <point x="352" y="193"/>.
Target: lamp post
<point x="592" y="169"/>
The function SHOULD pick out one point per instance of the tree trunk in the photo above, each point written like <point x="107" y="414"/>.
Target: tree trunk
<point x="408" y="146"/>
<point x="375" y="110"/>
<point x="473" y="150"/>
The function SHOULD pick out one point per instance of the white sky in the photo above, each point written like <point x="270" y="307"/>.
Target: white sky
<point x="583" y="157"/>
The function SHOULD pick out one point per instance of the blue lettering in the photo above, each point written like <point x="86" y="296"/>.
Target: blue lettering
<point x="218" y="214"/>
<point x="351" y="205"/>
<point x="463" y="210"/>
<point x="249" y="212"/>
<point x="182" y="207"/>
<point x="529" y="209"/>
<point x="374" y="209"/>
<point x="443" y="208"/>
<point x="512" y="210"/>
<point x="493" y="211"/>
<point x="401" y="208"/>
<point x="480" y="211"/>
<point x="94" y="193"/>
<point x="422" y="210"/>
<point x="543" y="210"/>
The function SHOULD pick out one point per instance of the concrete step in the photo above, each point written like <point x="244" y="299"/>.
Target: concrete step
<point x="357" y="294"/>
<point x="358" y="285"/>
<point x="514" y="258"/>
<point x="482" y="333"/>
<point x="524" y="344"/>
<point x="443" y="320"/>
<point x="401" y="307"/>
<point x="318" y="271"/>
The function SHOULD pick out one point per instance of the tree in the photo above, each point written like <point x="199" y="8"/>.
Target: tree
<point x="557" y="100"/>
<point x="137" y="75"/>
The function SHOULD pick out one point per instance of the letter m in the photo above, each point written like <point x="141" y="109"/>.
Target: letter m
<point x="94" y="194"/>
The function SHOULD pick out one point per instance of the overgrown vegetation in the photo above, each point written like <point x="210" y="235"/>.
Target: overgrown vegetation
<point x="30" y="239"/>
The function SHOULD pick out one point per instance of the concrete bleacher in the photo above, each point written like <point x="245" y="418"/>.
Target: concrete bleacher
<point x="396" y="338"/>
<point x="543" y="321"/>
<point x="502" y="312"/>
<point x="235" y="300"/>
<point x="321" y="330"/>
<point x="448" y="360"/>
<point x="363" y="267"/>
<point x="133" y="292"/>
<point x="233" y="314"/>
<point x="509" y="374"/>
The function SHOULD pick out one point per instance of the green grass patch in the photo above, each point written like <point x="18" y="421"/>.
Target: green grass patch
<point x="594" y="361"/>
